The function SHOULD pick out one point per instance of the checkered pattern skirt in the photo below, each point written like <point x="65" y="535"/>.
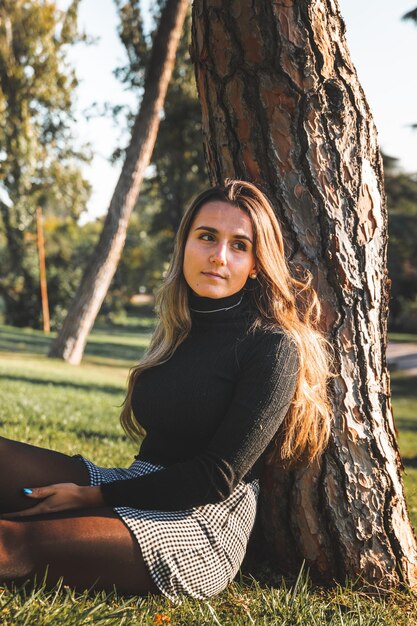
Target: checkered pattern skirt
<point x="195" y="552"/>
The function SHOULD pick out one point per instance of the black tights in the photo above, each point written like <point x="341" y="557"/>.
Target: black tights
<point x="88" y="548"/>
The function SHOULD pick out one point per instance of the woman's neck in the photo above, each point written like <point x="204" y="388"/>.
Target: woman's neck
<point x="201" y="304"/>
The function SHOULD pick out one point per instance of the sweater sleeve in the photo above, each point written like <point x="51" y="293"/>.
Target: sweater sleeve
<point x="263" y="394"/>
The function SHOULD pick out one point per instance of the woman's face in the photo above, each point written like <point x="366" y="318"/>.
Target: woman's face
<point x="219" y="252"/>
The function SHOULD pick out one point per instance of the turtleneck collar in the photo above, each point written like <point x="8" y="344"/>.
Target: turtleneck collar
<point x="212" y="306"/>
<point x="220" y="312"/>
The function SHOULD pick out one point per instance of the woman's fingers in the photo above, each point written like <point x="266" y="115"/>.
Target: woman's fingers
<point x="39" y="492"/>
<point x="59" y="497"/>
<point x="35" y="493"/>
<point x="51" y="501"/>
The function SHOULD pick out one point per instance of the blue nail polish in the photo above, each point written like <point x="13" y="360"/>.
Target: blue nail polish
<point x="27" y="491"/>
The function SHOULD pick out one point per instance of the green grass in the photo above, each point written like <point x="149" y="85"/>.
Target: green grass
<point x="404" y="391"/>
<point x="243" y="604"/>
<point x="403" y="337"/>
<point x="75" y="409"/>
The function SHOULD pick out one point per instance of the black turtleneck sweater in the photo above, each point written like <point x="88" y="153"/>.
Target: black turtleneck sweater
<point x="210" y="410"/>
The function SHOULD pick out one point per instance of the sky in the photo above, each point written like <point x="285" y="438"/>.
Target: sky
<point x="383" y="48"/>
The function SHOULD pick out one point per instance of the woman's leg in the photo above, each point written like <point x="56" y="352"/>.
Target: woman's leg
<point x="88" y="549"/>
<point x="23" y="465"/>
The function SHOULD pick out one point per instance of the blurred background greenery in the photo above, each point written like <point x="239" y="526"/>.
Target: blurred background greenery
<point x="42" y="165"/>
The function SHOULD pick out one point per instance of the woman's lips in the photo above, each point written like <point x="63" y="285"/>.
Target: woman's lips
<point x="213" y="275"/>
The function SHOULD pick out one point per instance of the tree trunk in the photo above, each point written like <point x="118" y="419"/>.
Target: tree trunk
<point x="95" y="282"/>
<point x="282" y="105"/>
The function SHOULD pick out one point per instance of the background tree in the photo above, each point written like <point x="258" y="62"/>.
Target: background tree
<point x="39" y="161"/>
<point x="68" y="246"/>
<point x="177" y="170"/>
<point x="401" y="188"/>
<point x="282" y="105"/>
<point x="102" y="265"/>
<point x="411" y="15"/>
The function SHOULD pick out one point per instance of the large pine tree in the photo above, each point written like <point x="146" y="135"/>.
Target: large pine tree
<point x="282" y="105"/>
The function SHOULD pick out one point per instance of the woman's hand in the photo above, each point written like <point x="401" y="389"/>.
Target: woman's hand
<point x="59" y="497"/>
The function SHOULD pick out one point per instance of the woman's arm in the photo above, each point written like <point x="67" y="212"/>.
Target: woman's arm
<point x="261" y="400"/>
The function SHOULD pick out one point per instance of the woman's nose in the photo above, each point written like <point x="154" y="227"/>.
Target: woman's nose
<point x="220" y="255"/>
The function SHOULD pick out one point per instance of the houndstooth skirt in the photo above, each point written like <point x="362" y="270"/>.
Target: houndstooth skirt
<point x="195" y="552"/>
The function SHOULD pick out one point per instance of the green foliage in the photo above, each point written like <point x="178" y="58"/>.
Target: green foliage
<point x="75" y="410"/>
<point x="132" y="35"/>
<point x="401" y="189"/>
<point x="39" y="163"/>
<point x="411" y="15"/>
<point x="67" y="248"/>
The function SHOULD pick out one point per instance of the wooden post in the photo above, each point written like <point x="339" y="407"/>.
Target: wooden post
<point x="42" y="270"/>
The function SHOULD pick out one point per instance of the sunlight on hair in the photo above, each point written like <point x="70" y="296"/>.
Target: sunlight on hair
<point x="281" y="299"/>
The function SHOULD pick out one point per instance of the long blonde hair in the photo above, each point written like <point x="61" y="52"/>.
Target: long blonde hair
<point x="279" y="298"/>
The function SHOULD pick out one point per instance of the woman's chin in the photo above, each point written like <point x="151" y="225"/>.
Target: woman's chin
<point x="211" y="291"/>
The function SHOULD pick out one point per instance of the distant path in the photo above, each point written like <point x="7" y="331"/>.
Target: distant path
<point x="402" y="356"/>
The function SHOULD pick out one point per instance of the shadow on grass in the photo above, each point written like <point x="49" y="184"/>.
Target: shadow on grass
<point x="145" y="325"/>
<point x="23" y="340"/>
<point x="64" y="383"/>
<point x="404" y="387"/>
<point x="405" y="424"/>
<point x="115" y="351"/>
<point x="95" y="434"/>
<point x="10" y="423"/>
<point x="409" y="461"/>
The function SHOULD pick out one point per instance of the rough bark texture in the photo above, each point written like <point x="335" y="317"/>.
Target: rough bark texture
<point x="94" y="285"/>
<point x="282" y="105"/>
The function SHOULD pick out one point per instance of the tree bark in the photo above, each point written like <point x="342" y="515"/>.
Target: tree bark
<point x="282" y="105"/>
<point x="71" y="340"/>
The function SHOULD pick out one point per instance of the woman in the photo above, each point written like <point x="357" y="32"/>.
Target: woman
<point x="235" y="352"/>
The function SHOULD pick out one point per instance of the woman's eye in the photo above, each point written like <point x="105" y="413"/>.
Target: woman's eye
<point x="206" y="237"/>
<point x="238" y="245"/>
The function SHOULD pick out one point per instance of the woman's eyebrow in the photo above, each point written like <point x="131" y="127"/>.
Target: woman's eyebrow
<point x="216" y="232"/>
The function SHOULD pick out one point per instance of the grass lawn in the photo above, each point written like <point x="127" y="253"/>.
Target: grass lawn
<point x="75" y="409"/>
<point x="403" y="337"/>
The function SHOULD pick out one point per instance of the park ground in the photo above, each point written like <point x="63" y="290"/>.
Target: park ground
<point x="75" y="409"/>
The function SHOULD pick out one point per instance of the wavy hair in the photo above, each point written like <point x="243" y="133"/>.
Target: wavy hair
<point x="280" y="299"/>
